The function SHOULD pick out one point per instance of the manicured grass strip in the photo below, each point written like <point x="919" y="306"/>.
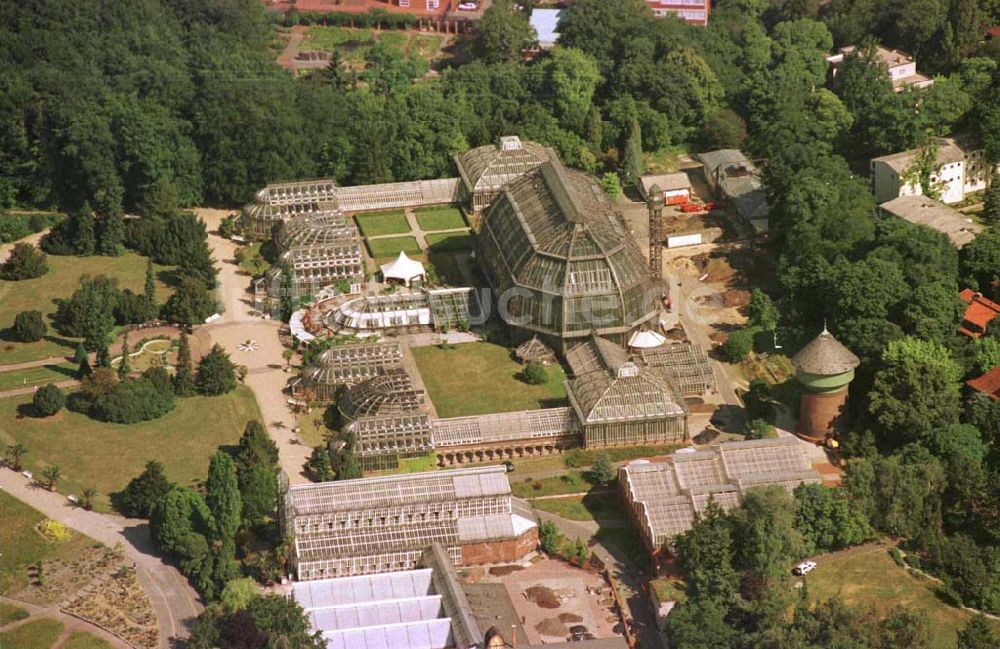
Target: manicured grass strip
<point x="104" y="456"/>
<point x="82" y="640"/>
<point x="480" y="378"/>
<point x="62" y="279"/>
<point x="571" y="482"/>
<point x="354" y="43"/>
<point x="439" y="218"/>
<point x="10" y="613"/>
<point x="867" y="576"/>
<point x="36" y="376"/>
<point x="625" y="539"/>
<point x="592" y="507"/>
<point x="390" y="247"/>
<point x="376" y="224"/>
<point x="40" y="634"/>
<point x="447" y="267"/>
<point x="449" y="242"/>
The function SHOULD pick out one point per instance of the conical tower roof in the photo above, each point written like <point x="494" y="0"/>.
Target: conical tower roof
<point x="825" y="356"/>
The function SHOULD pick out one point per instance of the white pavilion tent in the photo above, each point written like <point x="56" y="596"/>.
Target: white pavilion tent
<point x="403" y="269"/>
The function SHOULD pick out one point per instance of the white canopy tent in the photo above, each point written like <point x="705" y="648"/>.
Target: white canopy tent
<point x="403" y="269"/>
<point x="646" y="340"/>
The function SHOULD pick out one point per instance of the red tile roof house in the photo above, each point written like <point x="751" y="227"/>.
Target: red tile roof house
<point x="980" y="312"/>
<point x="988" y="384"/>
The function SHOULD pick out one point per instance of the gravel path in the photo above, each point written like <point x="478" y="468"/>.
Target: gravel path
<point x="175" y="603"/>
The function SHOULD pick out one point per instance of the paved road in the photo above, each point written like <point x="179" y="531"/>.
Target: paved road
<point x="175" y="603"/>
<point x="266" y="368"/>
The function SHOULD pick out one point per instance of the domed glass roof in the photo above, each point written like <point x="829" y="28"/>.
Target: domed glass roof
<point x="556" y="234"/>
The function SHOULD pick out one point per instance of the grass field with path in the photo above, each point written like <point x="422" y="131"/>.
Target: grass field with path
<point x="389" y="248"/>
<point x="10" y="613"/>
<point x="449" y="241"/>
<point x="62" y="279"/>
<point x="23" y="545"/>
<point x="82" y="640"/>
<point x="38" y="634"/>
<point x="105" y="456"/>
<point x="354" y="44"/>
<point x="868" y="577"/>
<point x="481" y="378"/>
<point x="571" y="482"/>
<point x="439" y="218"/>
<point x="376" y="224"/>
<point x="37" y="376"/>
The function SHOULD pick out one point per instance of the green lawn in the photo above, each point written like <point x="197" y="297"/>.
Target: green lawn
<point x="10" y="613"/>
<point x="376" y="224"/>
<point x="447" y="267"/>
<point x="60" y="282"/>
<point x="23" y="546"/>
<point x="389" y="248"/>
<point x="480" y="378"/>
<point x="571" y="482"/>
<point x="81" y="640"/>
<point x="592" y="507"/>
<point x="439" y="218"/>
<point x="39" y="634"/>
<point x="104" y="456"/>
<point x="868" y="577"/>
<point x="36" y="376"/>
<point x="625" y="539"/>
<point x="449" y="241"/>
<point x="353" y="43"/>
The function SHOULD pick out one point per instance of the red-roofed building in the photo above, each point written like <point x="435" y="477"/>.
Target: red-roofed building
<point x="988" y="384"/>
<point x="994" y="32"/>
<point x="693" y="11"/>
<point x="980" y="312"/>
<point x="420" y="8"/>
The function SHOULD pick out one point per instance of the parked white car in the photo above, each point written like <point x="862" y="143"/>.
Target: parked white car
<point x="467" y="6"/>
<point x="803" y="568"/>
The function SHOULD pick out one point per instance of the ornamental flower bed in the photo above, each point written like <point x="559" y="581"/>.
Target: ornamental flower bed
<point x="119" y="605"/>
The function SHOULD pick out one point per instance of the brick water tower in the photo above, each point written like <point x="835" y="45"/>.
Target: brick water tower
<point x="824" y="368"/>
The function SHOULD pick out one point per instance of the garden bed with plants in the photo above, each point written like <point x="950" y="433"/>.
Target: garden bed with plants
<point x="119" y="605"/>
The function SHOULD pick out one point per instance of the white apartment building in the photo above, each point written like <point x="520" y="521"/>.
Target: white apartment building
<point x="959" y="171"/>
<point x="902" y="67"/>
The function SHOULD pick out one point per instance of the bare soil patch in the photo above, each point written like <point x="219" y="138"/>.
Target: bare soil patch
<point x="550" y="626"/>
<point x="503" y="571"/>
<point x="542" y="596"/>
<point x="570" y="618"/>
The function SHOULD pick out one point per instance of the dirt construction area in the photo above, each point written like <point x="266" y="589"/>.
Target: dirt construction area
<point x="556" y="601"/>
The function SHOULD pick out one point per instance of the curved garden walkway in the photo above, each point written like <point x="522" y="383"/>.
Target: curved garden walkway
<point x="70" y="624"/>
<point x="175" y="603"/>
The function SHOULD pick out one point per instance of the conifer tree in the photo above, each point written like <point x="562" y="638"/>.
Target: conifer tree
<point x="149" y="290"/>
<point x="84" y="370"/>
<point x="86" y="237"/>
<point x="632" y="166"/>
<point x="112" y="234"/>
<point x="124" y="369"/>
<point x="184" y="375"/>
<point x="103" y="356"/>
<point x="80" y="354"/>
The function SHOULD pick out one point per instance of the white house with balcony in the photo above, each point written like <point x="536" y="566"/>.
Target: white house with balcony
<point x="958" y="171"/>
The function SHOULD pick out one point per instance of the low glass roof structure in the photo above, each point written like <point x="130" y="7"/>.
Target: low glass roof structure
<point x="664" y="496"/>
